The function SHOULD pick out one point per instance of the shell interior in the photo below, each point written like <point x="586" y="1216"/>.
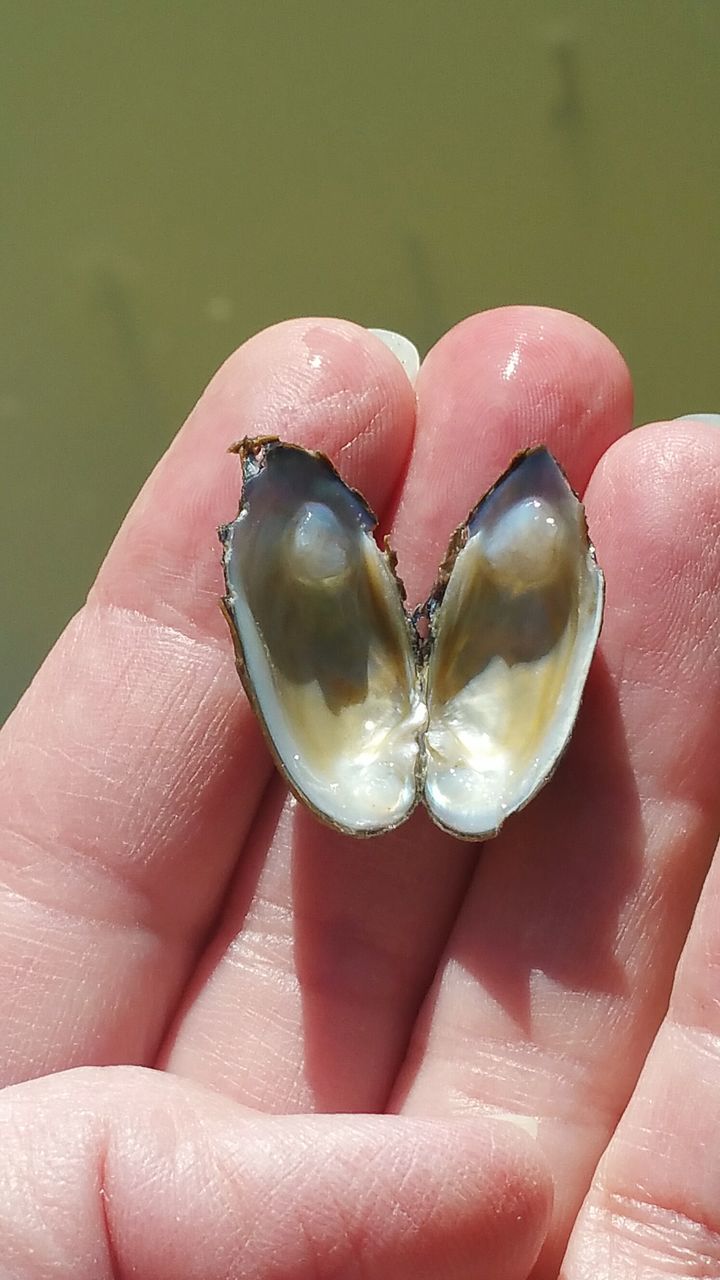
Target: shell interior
<point x="363" y="717"/>
<point x="512" y="645"/>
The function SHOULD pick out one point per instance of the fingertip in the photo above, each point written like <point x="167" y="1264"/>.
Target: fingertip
<point x="664" y="476"/>
<point x="497" y="383"/>
<point x="470" y="1187"/>
<point x="318" y="381"/>
<point x="533" y="375"/>
<point x="653" y="508"/>
<point x="322" y="383"/>
<point x="502" y="1147"/>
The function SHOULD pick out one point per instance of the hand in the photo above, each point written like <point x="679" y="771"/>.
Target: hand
<point x="164" y="902"/>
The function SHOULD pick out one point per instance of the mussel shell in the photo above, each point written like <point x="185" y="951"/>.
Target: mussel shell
<point x="324" y="645"/>
<point x="365" y="717"/>
<point x="515" y="620"/>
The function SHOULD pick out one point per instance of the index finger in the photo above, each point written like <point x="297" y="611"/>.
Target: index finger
<point x="132" y="768"/>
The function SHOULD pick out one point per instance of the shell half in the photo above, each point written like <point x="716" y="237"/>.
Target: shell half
<point x="514" y="629"/>
<point x="324" y="645"/>
<point x="364" y="717"/>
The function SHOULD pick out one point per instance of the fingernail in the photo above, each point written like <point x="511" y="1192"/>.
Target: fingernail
<point x="403" y="349"/>
<point x="712" y="418"/>
<point x="529" y="1124"/>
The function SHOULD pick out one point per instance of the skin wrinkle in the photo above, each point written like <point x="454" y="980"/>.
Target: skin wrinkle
<point x="261" y="952"/>
<point x="348" y="1255"/>
<point x="701" y="1039"/>
<point x="660" y="1230"/>
<point x="83" y="1044"/>
<point x="362" y="430"/>
<point x="189" y="644"/>
<point x="113" y="1260"/>
<point x="33" y="1233"/>
<point x="203" y="943"/>
<point x="191" y="635"/>
<point x="342" y="1218"/>
<point x="350" y="404"/>
<point x="262" y="957"/>
<point x="65" y="913"/>
<point x="127" y="874"/>
<point x="496" y="1059"/>
<point x="263" y="946"/>
<point x="704" y="997"/>
<point x="366" y="434"/>
<point x="130" y="906"/>
<point x="86" y="1045"/>
<point x="662" y="1162"/>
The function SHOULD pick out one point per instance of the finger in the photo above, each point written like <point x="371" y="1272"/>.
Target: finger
<point x="654" y="1205"/>
<point x="126" y="1172"/>
<point x="133" y="767"/>
<point x="559" y="970"/>
<point x="309" y="991"/>
<point x="498" y="383"/>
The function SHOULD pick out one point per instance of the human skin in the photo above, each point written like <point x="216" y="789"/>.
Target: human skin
<point x="404" y="1057"/>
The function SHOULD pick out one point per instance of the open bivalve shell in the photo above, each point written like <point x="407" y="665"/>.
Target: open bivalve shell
<point x="467" y="705"/>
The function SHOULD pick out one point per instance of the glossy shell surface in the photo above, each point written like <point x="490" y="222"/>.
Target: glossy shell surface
<point x="364" y="717"/>
<point x="325" y="648"/>
<point x="513" y="639"/>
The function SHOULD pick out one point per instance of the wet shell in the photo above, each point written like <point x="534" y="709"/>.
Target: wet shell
<point x="364" y="717"/>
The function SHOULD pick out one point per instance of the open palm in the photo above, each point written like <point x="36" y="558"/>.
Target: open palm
<point x="165" y="904"/>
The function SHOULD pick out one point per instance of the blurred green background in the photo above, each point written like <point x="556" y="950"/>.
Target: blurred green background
<point x="176" y="176"/>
